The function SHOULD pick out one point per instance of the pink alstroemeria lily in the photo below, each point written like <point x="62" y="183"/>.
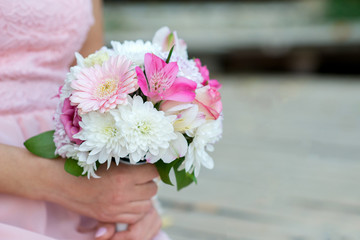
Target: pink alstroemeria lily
<point x="161" y="83"/>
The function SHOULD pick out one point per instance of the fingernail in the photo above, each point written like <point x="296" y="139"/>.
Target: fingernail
<point x="100" y="232"/>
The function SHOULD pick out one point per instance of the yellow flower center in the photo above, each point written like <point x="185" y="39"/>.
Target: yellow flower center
<point x="110" y="131"/>
<point x="96" y="58"/>
<point x="179" y="125"/>
<point x="143" y="127"/>
<point x="106" y="88"/>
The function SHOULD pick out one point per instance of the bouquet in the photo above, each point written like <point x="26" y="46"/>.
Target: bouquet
<point x="137" y="102"/>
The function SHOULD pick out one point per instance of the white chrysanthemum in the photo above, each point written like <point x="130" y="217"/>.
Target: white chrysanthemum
<point x="135" y="51"/>
<point x="204" y="136"/>
<point x="66" y="89"/>
<point x="102" y="138"/>
<point x="96" y="58"/>
<point x="177" y="148"/>
<point x="89" y="169"/>
<point x="187" y="67"/>
<point x="144" y="128"/>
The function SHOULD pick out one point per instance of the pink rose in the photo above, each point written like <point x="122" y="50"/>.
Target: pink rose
<point x="70" y="119"/>
<point x="205" y="74"/>
<point x="214" y="84"/>
<point x="203" y="70"/>
<point x="209" y="101"/>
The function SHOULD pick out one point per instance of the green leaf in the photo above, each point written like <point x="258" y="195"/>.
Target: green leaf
<point x="170" y="53"/>
<point x="164" y="170"/>
<point x="42" y="145"/>
<point x="183" y="179"/>
<point x="192" y="175"/>
<point x="72" y="167"/>
<point x="157" y="105"/>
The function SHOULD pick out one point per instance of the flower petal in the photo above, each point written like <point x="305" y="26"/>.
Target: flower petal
<point x="178" y="148"/>
<point x="182" y="90"/>
<point x="142" y="81"/>
<point x="153" y="64"/>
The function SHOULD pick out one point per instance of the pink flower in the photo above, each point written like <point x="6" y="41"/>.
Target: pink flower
<point x="214" y="84"/>
<point x="161" y="83"/>
<point x="205" y="74"/>
<point x="203" y="70"/>
<point x="70" y="119"/>
<point x="209" y="101"/>
<point x="104" y="87"/>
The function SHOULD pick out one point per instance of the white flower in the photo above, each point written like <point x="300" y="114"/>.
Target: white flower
<point x="177" y="148"/>
<point x="89" y="169"/>
<point x="144" y="128"/>
<point x="188" y="116"/>
<point x="135" y="51"/>
<point x="204" y="136"/>
<point x="166" y="39"/>
<point x="66" y="89"/>
<point x="96" y="58"/>
<point x="102" y="138"/>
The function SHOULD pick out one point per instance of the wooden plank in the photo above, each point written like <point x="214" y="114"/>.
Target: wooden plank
<point x="285" y="170"/>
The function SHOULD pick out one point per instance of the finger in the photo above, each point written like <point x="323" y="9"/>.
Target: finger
<point x="144" y="191"/>
<point x="135" y="207"/>
<point x="145" y="229"/>
<point x="87" y="225"/>
<point x="127" y="218"/>
<point x="154" y="222"/>
<point x="145" y="173"/>
<point x="105" y="231"/>
<point x="138" y="207"/>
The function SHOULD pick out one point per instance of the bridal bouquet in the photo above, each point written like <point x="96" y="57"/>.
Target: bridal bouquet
<point x="138" y="102"/>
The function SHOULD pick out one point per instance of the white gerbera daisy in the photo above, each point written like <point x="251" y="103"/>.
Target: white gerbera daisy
<point x="204" y="136"/>
<point x="144" y="128"/>
<point x="135" y="51"/>
<point x="102" y="138"/>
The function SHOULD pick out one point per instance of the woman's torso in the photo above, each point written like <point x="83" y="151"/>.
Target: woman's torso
<point x="38" y="39"/>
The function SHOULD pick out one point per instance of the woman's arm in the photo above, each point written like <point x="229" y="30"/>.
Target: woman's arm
<point x="22" y="173"/>
<point x="95" y="38"/>
<point x="122" y="194"/>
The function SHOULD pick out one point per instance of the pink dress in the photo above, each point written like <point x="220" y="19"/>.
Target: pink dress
<point x="38" y="39"/>
<point x="37" y="44"/>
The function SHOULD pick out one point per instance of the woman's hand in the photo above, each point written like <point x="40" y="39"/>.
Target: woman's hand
<point x="122" y="194"/>
<point x="145" y="229"/>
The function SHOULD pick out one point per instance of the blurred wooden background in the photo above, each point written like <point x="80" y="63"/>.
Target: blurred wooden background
<point x="289" y="161"/>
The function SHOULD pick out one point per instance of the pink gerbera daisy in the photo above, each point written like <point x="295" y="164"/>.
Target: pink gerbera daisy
<point x="104" y="87"/>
